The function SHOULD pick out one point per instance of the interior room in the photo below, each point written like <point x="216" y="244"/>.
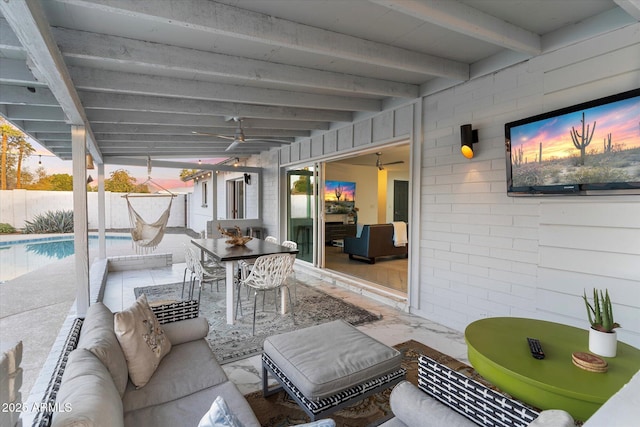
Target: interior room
<point x="375" y="175"/>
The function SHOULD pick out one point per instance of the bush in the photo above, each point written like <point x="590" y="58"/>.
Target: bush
<point x="6" y="228"/>
<point x="50" y="222"/>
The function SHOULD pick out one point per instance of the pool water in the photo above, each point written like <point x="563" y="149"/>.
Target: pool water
<point x="23" y="256"/>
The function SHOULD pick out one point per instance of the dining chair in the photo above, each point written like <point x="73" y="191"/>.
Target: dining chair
<point x="210" y="271"/>
<point x="268" y="273"/>
<point x="244" y="265"/>
<point x="188" y="259"/>
<point x="292" y="245"/>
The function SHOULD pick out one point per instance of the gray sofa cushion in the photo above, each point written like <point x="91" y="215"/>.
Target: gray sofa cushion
<point x="416" y="409"/>
<point x="188" y="411"/>
<point x="352" y="357"/>
<point x="186" y="369"/>
<point x="88" y="394"/>
<point x="186" y="330"/>
<point x="98" y="337"/>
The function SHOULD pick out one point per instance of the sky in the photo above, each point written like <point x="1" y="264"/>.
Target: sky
<point x="166" y="177"/>
<point x="348" y="190"/>
<point x="621" y="119"/>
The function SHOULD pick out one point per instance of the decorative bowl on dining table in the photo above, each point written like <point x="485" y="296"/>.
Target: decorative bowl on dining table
<point x="235" y="236"/>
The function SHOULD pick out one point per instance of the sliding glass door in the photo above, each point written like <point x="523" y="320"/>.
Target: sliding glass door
<point x="301" y="210"/>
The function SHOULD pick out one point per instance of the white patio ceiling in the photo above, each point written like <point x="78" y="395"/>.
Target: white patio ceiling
<point x="144" y="75"/>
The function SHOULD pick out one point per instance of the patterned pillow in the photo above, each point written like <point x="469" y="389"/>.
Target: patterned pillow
<point x="176" y="311"/>
<point x="480" y="404"/>
<point x="142" y="340"/>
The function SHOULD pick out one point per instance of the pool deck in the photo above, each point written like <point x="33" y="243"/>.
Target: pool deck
<point x="34" y="306"/>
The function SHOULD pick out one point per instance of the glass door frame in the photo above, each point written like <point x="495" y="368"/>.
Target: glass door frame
<point x="308" y="248"/>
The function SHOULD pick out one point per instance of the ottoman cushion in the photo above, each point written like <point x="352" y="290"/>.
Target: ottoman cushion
<point x="325" y="359"/>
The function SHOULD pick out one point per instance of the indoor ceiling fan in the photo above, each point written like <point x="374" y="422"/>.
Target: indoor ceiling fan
<point x="238" y="136"/>
<point x="381" y="165"/>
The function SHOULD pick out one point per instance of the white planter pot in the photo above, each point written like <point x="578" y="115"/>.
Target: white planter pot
<point x="603" y="343"/>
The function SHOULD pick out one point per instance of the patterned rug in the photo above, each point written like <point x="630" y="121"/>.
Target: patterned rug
<point x="279" y="410"/>
<point x="234" y="342"/>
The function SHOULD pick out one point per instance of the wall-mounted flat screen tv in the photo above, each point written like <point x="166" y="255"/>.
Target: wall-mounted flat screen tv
<point x="590" y="148"/>
<point x="339" y="197"/>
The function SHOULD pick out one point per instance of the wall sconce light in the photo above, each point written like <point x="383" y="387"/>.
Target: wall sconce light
<point x="90" y="162"/>
<point x="236" y="162"/>
<point x="468" y="137"/>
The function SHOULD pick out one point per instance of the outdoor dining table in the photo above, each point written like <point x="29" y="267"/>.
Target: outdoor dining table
<point x="229" y="254"/>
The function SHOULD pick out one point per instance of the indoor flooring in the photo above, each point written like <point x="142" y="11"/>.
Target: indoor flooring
<point x="390" y="272"/>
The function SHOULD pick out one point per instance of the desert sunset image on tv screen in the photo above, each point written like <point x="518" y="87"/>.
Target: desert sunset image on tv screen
<point x="594" y="145"/>
<point x="339" y="196"/>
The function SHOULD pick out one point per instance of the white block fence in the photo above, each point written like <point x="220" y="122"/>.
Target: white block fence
<point x="18" y="206"/>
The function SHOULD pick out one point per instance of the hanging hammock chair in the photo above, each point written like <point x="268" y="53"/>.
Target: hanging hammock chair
<point x="146" y="236"/>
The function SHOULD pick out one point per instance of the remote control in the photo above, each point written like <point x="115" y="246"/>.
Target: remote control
<point x="536" y="348"/>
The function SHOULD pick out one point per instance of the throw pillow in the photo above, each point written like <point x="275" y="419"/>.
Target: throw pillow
<point x="142" y="339"/>
<point x="219" y="415"/>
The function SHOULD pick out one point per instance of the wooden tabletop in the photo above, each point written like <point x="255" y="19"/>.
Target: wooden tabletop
<point x="222" y="251"/>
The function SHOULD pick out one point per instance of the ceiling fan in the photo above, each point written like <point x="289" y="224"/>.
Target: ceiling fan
<point x="238" y="136"/>
<point x="381" y="165"/>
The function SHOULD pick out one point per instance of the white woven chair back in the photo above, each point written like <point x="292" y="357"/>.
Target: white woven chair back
<point x="198" y="271"/>
<point x="189" y="258"/>
<point x="290" y="244"/>
<point x="270" y="271"/>
<point x="271" y="239"/>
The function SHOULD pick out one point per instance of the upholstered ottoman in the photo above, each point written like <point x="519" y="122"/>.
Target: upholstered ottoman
<point x="327" y="367"/>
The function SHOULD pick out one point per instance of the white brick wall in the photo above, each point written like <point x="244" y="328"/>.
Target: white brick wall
<point x="482" y="253"/>
<point x="491" y="255"/>
<point x="16" y="206"/>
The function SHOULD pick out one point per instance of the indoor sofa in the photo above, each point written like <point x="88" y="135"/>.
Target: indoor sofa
<point x="375" y="240"/>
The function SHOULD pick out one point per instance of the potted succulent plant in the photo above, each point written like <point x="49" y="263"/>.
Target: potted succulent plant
<point x="602" y="336"/>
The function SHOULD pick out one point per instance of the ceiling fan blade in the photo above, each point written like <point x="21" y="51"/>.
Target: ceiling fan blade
<point x="231" y="138"/>
<point x="281" y="141"/>
<point x="233" y="145"/>
<point x="393" y="163"/>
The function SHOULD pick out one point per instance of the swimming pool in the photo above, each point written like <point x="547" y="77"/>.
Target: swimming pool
<point x="22" y="256"/>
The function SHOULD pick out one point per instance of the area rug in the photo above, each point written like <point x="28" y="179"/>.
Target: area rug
<point x="234" y="342"/>
<point x="279" y="410"/>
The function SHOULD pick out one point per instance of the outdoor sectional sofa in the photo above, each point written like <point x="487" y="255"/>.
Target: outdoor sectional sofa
<point x="97" y="389"/>
<point x="93" y="380"/>
<point x="445" y="397"/>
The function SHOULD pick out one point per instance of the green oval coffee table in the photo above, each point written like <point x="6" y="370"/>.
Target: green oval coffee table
<point x="498" y="350"/>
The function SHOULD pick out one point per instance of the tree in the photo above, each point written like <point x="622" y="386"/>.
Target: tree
<point x="187" y="172"/>
<point x="12" y="138"/>
<point x="121" y="181"/>
<point x="301" y="186"/>
<point x="61" y="182"/>
<point x="25" y="149"/>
